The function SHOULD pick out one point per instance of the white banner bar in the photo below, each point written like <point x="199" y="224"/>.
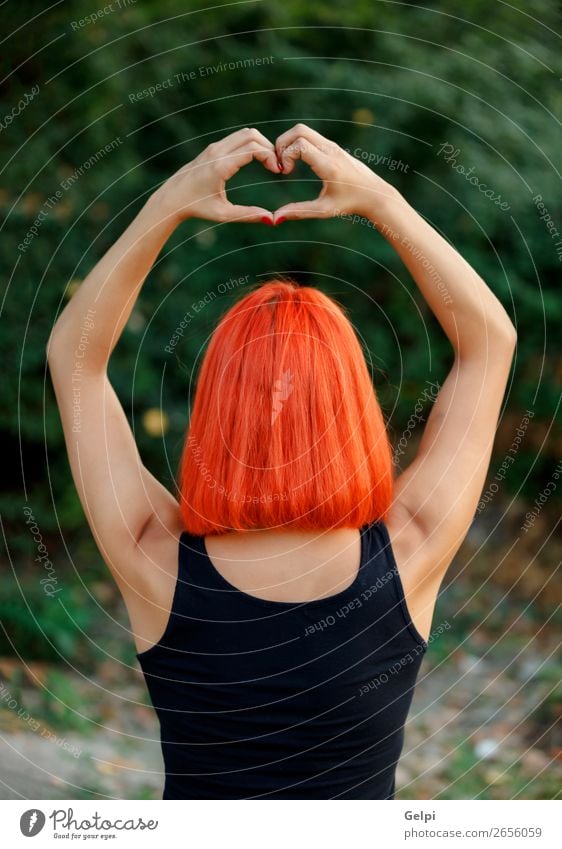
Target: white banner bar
<point x="279" y="824"/>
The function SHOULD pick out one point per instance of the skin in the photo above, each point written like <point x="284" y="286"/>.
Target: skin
<point x="135" y="520"/>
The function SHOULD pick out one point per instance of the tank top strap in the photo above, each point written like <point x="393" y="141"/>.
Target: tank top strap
<point x="187" y="549"/>
<point x="191" y="561"/>
<point x="195" y="567"/>
<point x="197" y="575"/>
<point x="384" y="577"/>
<point x="180" y="606"/>
<point x="378" y="569"/>
<point x="378" y="556"/>
<point x="197" y="570"/>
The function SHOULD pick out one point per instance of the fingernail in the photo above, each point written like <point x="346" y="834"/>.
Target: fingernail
<point x="281" y="219"/>
<point x="267" y="220"/>
<point x="280" y="165"/>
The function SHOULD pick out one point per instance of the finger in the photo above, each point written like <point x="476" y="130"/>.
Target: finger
<point x="307" y="132"/>
<point x="264" y="154"/>
<point x="242" y="137"/>
<point x="303" y="131"/>
<point x="232" y="161"/>
<point x="302" y="210"/>
<point x="246" y="214"/>
<point x="304" y="149"/>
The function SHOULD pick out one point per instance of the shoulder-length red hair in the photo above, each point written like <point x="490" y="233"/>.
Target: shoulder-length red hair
<point x="286" y="430"/>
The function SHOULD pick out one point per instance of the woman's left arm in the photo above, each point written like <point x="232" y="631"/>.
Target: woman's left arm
<point x="121" y="499"/>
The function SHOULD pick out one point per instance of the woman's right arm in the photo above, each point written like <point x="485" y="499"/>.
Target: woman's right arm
<point x="437" y="495"/>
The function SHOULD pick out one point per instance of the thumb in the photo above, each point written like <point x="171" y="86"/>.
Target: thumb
<point x="305" y="209"/>
<point x="248" y="214"/>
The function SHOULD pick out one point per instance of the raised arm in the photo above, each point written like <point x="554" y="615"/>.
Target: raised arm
<point x="437" y="495"/>
<point x="121" y="499"/>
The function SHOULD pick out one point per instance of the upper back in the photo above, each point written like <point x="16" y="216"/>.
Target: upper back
<point x="279" y="566"/>
<point x="245" y="685"/>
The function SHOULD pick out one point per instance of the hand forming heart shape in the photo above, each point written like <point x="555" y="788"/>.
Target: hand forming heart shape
<point x="198" y="190"/>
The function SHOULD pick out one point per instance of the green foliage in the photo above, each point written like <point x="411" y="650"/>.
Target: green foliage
<point x="393" y="81"/>
<point x="42" y="627"/>
<point x="470" y="777"/>
<point x="63" y="705"/>
<point x="399" y="83"/>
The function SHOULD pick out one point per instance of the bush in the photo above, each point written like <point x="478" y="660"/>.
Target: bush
<point x="396" y="86"/>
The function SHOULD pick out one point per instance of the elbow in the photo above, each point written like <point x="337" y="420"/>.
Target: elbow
<point x="501" y="333"/>
<point x="502" y="342"/>
<point x="54" y="346"/>
<point x="59" y="349"/>
<point x="503" y="328"/>
<point x="507" y="335"/>
<point x="49" y="347"/>
<point x="63" y="336"/>
<point x="64" y="352"/>
<point x="497" y="339"/>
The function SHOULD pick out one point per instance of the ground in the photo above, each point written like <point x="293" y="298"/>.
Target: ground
<point x="485" y="721"/>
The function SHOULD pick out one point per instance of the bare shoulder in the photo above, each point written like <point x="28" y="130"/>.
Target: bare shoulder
<point x="149" y="599"/>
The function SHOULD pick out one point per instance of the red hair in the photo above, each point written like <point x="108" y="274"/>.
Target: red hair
<point x="286" y="429"/>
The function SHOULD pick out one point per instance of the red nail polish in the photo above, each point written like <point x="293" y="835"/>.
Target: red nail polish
<point x="280" y="220"/>
<point x="267" y="220"/>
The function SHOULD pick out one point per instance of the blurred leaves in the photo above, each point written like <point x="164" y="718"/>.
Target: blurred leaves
<point x="381" y="79"/>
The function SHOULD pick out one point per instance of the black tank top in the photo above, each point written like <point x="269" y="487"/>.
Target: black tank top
<point x="261" y="699"/>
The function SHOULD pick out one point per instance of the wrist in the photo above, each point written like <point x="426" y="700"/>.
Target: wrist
<point x="388" y="210"/>
<point x="379" y="201"/>
<point x="161" y="206"/>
